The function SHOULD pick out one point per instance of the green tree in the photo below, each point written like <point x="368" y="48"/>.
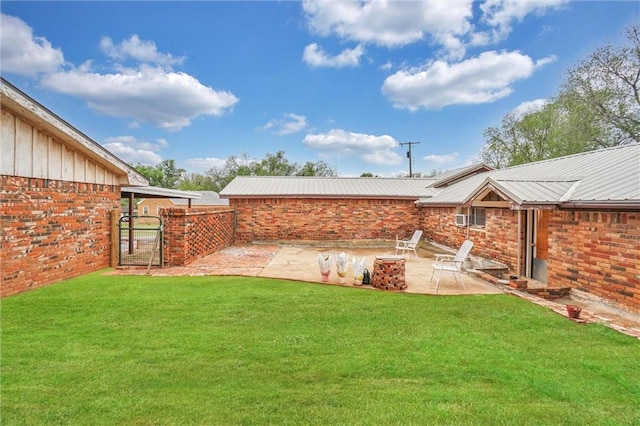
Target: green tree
<point x="164" y="175"/>
<point x="608" y="81"/>
<point x="598" y="106"/>
<point x="319" y="168"/>
<point x="271" y="165"/>
<point x="196" y="182"/>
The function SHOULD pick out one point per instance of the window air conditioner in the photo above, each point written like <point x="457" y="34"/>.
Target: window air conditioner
<point x="461" y="219"/>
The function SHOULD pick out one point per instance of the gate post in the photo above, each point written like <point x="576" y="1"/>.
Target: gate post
<point x="115" y="237"/>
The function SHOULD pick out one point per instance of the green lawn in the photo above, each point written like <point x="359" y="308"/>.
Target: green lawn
<point x="227" y="350"/>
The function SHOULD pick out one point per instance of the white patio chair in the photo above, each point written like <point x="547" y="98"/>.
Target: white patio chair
<point x="451" y="263"/>
<point x="409" y="244"/>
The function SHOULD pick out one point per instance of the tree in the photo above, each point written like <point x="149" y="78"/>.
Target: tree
<point x="164" y="175"/>
<point x="196" y="182"/>
<point x="271" y="165"/>
<point x="598" y="106"/>
<point x="319" y="168"/>
<point x="608" y="81"/>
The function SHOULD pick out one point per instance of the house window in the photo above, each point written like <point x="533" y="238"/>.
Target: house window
<point x="477" y="217"/>
<point x="145" y="210"/>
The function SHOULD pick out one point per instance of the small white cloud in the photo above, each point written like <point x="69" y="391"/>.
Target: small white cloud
<point x="529" y="107"/>
<point x="134" y="151"/>
<point x="315" y="56"/>
<point x="500" y="14"/>
<point x="170" y="100"/>
<point x="483" y="79"/>
<point x="369" y="148"/>
<point x="23" y="53"/>
<point x="440" y="160"/>
<point x="291" y="123"/>
<point x="139" y="50"/>
<point x="203" y="164"/>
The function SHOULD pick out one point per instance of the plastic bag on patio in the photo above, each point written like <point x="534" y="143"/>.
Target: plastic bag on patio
<point x="342" y="263"/>
<point x="359" y="265"/>
<point x="324" y="261"/>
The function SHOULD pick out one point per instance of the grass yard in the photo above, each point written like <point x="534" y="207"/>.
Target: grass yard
<point x="229" y="350"/>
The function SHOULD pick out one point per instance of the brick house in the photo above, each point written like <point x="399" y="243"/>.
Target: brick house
<point x="330" y="208"/>
<point x="571" y="221"/>
<point x="58" y="189"/>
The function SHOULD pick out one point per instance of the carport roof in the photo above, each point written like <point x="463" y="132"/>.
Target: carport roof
<point x="157" y="192"/>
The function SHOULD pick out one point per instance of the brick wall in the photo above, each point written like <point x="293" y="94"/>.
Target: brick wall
<point x="597" y="252"/>
<point x="192" y="233"/>
<point x="324" y="219"/>
<point x="496" y="241"/>
<point x="52" y="230"/>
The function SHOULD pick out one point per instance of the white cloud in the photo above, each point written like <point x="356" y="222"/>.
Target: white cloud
<point x="23" y="53"/>
<point x="441" y="159"/>
<point x="369" y="148"/>
<point x="134" y="151"/>
<point x="169" y="100"/>
<point x="204" y="164"/>
<point x="315" y="56"/>
<point x="388" y="23"/>
<point x="500" y="14"/>
<point x="140" y="50"/>
<point x="529" y="107"/>
<point x="291" y="123"/>
<point x="483" y="79"/>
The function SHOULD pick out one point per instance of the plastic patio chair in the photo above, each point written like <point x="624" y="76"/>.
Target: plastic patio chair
<point x="409" y="244"/>
<point x="451" y="263"/>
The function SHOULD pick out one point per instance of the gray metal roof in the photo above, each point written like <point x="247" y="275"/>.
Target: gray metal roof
<point x="608" y="176"/>
<point x="208" y="198"/>
<point x="156" y="192"/>
<point x="330" y="187"/>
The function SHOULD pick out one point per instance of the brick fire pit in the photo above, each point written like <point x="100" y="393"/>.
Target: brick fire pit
<point x="388" y="273"/>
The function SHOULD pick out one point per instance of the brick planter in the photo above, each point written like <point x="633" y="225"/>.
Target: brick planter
<point x="389" y="273"/>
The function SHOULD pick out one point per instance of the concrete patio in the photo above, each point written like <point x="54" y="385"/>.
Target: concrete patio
<point x="300" y="263"/>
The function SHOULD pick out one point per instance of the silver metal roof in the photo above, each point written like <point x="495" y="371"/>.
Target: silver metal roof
<point x="331" y="187"/>
<point x="208" y="198"/>
<point x="157" y="192"/>
<point x="608" y="176"/>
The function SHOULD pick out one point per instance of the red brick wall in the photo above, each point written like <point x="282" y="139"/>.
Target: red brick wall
<point x="496" y="241"/>
<point x="52" y="230"/>
<point x="324" y="219"/>
<point x="192" y="233"/>
<point x="597" y="252"/>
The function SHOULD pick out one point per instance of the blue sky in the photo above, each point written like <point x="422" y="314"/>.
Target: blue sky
<point x="345" y="82"/>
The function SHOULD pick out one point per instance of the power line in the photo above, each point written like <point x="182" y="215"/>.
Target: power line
<point x="409" y="155"/>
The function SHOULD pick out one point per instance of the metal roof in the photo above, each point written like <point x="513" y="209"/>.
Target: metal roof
<point x="608" y="176"/>
<point x="208" y="198"/>
<point x="330" y="187"/>
<point x="156" y="192"/>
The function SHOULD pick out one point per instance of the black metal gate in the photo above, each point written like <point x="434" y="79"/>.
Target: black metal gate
<point x="140" y="241"/>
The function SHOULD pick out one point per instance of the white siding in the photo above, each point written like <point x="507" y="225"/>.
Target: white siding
<point x="27" y="151"/>
<point x="7" y="144"/>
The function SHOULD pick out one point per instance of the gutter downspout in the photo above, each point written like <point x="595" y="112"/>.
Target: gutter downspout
<point x="519" y="240"/>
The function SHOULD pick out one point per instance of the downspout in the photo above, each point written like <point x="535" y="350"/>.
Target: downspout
<point x="519" y="240"/>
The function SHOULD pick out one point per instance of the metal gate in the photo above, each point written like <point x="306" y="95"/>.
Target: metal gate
<point x="140" y="241"/>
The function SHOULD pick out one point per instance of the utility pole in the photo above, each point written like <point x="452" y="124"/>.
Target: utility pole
<point x="409" y="155"/>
